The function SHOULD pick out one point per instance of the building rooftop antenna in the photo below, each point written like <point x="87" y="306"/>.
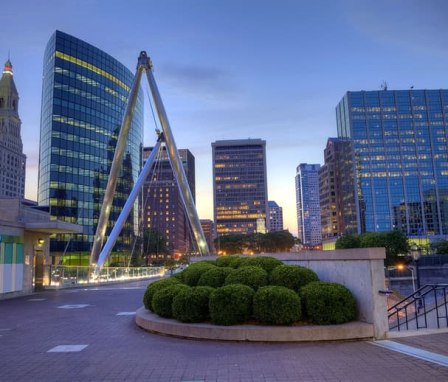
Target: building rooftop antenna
<point x="384" y="85"/>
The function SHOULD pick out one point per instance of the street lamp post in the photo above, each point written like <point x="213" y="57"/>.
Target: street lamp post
<point x="416" y="254"/>
<point x="412" y="269"/>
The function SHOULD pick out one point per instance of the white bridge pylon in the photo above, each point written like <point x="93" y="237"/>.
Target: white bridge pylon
<point x="98" y="258"/>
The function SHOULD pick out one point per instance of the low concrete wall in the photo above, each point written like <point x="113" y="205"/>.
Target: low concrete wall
<point x="361" y="270"/>
<point x="257" y="333"/>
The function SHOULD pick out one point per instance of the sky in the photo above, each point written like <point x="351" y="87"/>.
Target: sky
<point x="236" y="69"/>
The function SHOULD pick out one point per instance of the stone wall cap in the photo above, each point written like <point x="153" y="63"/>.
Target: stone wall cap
<point x="338" y="254"/>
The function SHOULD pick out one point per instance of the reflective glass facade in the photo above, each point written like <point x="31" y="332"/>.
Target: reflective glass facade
<point x="399" y="159"/>
<point x="239" y="185"/>
<point x="308" y="204"/>
<point x="83" y="100"/>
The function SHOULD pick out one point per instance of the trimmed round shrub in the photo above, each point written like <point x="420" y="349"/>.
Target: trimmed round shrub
<point x="215" y="277"/>
<point x="328" y="303"/>
<point x="212" y="262"/>
<point x="265" y="262"/>
<point x="292" y="276"/>
<point x="155" y="287"/>
<point x="231" y="304"/>
<point x="229" y="261"/>
<point x="193" y="272"/>
<point x="191" y="304"/>
<point x="254" y="277"/>
<point x="162" y="300"/>
<point x="277" y="305"/>
<point x="225" y="261"/>
<point x="178" y="276"/>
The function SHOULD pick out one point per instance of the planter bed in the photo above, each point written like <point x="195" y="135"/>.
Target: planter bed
<point x="355" y="330"/>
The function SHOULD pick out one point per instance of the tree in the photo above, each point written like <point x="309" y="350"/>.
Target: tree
<point x="183" y="260"/>
<point x="231" y="244"/>
<point x="440" y="247"/>
<point x="395" y="242"/>
<point x="348" y="241"/>
<point x="153" y="242"/>
<point x="278" y="241"/>
<point x="170" y="264"/>
<point x="282" y="241"/>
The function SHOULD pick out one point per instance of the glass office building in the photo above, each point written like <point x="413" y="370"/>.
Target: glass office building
<point x="239" y="186"/>
<point x="308" y="204"/>
<point x="399" y="159"/>
<point x="83" y="101"/>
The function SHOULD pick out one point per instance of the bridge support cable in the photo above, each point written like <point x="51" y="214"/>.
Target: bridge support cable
<point x="178" y="169"/>
<point x="116" y="165"/>
<point x="127" y="207"/>
<point x="98" y="256"/>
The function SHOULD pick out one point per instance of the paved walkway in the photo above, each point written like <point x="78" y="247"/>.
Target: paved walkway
<point x="90" y="335"/>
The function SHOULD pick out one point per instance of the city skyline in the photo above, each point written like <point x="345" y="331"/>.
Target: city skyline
<point x="273" y="70"/>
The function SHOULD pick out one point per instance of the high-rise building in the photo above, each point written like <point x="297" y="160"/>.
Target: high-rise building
<point x="84" y="96"/>
<point x="399" y="159"/>
<point x="163" y="209"/>
<point x="239" y="185"/>
<point x="275" y="216"/>
<point x="12" y="159"/>
<point x="308" y="204"/>
<point x="336" y="190"/>
<point x="208" y="227"/>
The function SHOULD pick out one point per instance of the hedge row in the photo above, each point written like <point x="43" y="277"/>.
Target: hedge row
<point x="252" y="271"/>
<point x="228" y="296"/>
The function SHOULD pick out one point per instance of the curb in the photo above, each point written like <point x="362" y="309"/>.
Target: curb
<point x="253" y="333"/>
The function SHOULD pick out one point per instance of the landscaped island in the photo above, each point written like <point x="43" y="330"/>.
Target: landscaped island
<point x="236" y="290"/>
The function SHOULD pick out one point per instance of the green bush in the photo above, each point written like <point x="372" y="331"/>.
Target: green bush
<point x="178" y="276"/>
<point x="277" y="305"/>
<point x="215" y="277"/>
<point x="265" y="262"/>
<point x="155" y="287"/>
<point x="254" y="277"/>
<point x="229" y="261"/>
<point x="191" y="304"/>
<point x="193" y="272"/>
<point x="212" y="262"/>
<point x="231" y="304"/>
<point x="328" y="303"/>
<point x="162" y="300"/>
<point x="292" y="276"/>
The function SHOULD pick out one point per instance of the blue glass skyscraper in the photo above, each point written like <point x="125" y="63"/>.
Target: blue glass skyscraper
<point x="308" y="204"/>
<point x="399" y="159"/>
<point x="83" y="99"/>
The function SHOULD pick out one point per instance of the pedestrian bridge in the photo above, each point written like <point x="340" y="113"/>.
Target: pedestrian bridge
<point x="66" y="276"/>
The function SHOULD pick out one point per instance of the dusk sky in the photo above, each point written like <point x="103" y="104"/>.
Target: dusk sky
<point x="235" y="69"/>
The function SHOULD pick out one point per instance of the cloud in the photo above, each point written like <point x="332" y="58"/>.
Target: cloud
<point x="205" y="82"/>
<point x="407" y="24"/>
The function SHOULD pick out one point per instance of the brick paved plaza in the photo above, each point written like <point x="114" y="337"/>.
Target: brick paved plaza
<point x="90" y="335"/>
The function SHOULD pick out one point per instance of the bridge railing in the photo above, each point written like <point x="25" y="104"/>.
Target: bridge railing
<point x="59" y="276"/>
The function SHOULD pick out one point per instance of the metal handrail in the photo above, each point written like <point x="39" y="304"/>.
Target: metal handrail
<point x="66" y="275"/>
<point x="415" y="306"/>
